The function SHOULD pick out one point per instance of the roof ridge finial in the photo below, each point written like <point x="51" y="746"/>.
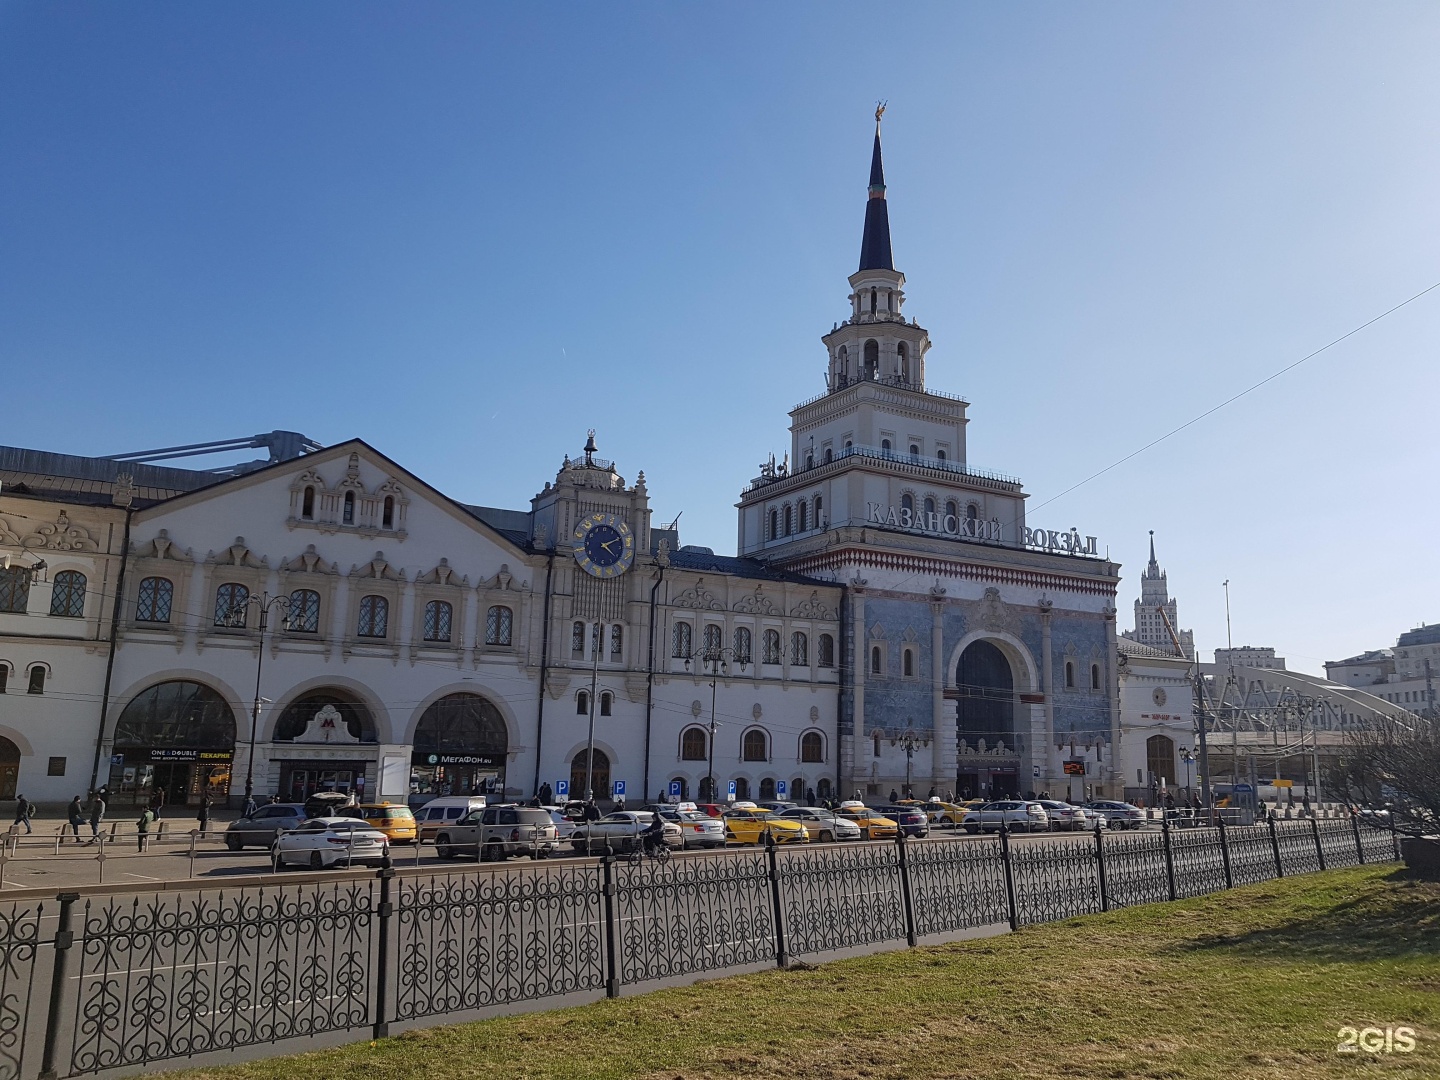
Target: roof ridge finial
<point x="879" y="112"/>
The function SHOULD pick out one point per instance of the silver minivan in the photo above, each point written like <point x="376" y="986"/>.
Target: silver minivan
<point x="446" y="810"/>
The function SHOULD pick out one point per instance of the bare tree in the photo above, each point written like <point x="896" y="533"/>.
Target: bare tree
<point x="1395" y="764"/>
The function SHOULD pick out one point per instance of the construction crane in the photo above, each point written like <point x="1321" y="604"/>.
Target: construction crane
<point x="1200" y="722"/>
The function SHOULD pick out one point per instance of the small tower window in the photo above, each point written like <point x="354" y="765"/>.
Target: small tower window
<point x="1094" y="676"/>
<point x="877" y="660"/>
<point x="387" y="516"/>
<point x="874" y="297"/>
<point x="818" y="507"/>
<point x="907" y="502"/>
<point x="885" y="444"/>
<point x="789" y="520"/>
<point x="349" y="518"/>
<point x="872" y="359"/>
<point x="804" y="515"/>
<point x="1070" y="674"/>
<point x="606" y="700"/>
<point x="774" y="524"/>
<point x="307" y="504"/>
<point x="904" y="355"/>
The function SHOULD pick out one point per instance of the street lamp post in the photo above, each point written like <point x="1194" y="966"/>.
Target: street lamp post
<point x="590" y="736"/>
<point x="909" y="744"/>
<point x="1188" y="757"/>
<point x="718" y="659"/>
<point x="235" y="617"/>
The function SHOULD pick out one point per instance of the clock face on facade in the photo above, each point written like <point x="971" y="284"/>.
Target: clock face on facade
<point x="1158" y="696"/>
<point x="604" y="545"/>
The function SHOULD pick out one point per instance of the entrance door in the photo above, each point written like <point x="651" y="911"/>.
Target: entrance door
<point x="968" y="786"/>
<point x="1005" y="785"/>
<point x="599" y="776"/>
<point x="174" y="779"/>
<point x="9" y="768"/>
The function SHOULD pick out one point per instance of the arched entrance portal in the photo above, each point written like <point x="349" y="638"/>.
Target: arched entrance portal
<point x="460" y="748"/>
<point x="325" y="740"/>
<point x="1160" y="763"/>
<point x="599" y="776"/>
<point x="985" y="722"/>
<point x="178" y="738"/>
<point x="9" y="768"/>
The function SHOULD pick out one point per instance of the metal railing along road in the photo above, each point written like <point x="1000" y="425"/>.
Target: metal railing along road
<point x="94" y="980"/>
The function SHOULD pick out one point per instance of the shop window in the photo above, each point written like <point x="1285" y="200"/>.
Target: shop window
<point x="827" y="651"/>
<point x="153" y="602"/>
<point x="374" y="618"/>
<point x="67" y="597"/>
<point x="304" y="612"/>
<point x="438" y="617"/>
<point x="499" y="625"/>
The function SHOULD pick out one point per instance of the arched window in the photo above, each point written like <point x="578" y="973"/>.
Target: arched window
<point x="304" y="612"/>
<point x="14" y="589"/>
<point x="499" y="625"/>
<point x="872" y="359"/>
<point x="774" y="524"/>
<point x="914" y="450"/>
<point x="349" y="518"/>
<point x="387" y="514"/>
<point x="67" y="598"/>
<point x="799" y="649"/>
<point x="940" y="455"/>
<point x="822" y="789"/>
<point x="755" y="746"/>
<point x="767" y="788"/>
<point x="617" y="643"/>
<point x="789" y="519"/>
<point x="742" y="645"/>
<point x="693" y="743"/>
<point x="972" y="512"/>
<point x="885" y="445"/>
<point x="908" y="662"/>
<point x="952" y="509"/>
<point x="714" y="640"/>
<point x="829" y="455"/>
<point x="232" y="605"/>
<point x="812" y="747"/>
<point x="827" y="651"/>
<point x="153" y="602"/>
<point x="877" y="660"/>
<point x="1094" y="676"/>
<point x="1070" y="674"/>
<point x="307" y="503"/>
<point x="929" y="505"/>
<point x="355" y="718"/>
<point x="682" y="647"/>
<point x="819" y="505"/>
<point x="582" y="703"/>
<point x="374" y="618"/>
<point x="804" y="512"/>
<point x="904" y="355"/>
<point x="577" y="639"/>
<point x="4" y="676"/>
<point x="907" y="502"/>
<point x="873" y="294"/>
<point x="772" y="647"/>
<point x="742" y="789"/>
<point x="37" y="680"/>
<point x="177" y="713"/>
<point x="438" y="617"/>
<point x="607" y="699"/>
<point x="875" y="740"/>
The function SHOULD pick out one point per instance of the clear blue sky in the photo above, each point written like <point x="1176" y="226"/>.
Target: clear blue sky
<point x="467" y="232"/>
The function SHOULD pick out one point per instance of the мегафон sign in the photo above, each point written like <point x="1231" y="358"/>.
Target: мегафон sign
<point x="935" y="523"/>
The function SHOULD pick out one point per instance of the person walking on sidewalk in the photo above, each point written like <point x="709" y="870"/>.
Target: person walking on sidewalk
<point x="250" y="806"/>
<point x="204" y="816"/>
<point x="75" y="814"/>
<point x="23" y="809"/>
<point x="142" y="828"/>
<point x="97" y="815"/>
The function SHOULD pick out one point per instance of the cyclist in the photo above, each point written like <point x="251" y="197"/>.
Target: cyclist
<point x="653" y="838"/>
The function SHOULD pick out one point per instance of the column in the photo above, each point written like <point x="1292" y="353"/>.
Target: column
<point x="860" y="665"/>
<point x="942" y="732"/>
<point x="1039" y="756"/>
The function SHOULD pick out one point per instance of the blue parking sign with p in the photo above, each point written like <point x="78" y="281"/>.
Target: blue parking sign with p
<point x="619" y="789"/>
<point x="562" y="787"/>
<point x="675" y="788"/>
<point x="732" y="789"/>
<point x="781" y="788"/>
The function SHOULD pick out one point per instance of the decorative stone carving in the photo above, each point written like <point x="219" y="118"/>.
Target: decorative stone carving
<point x="377" y="568"/>
<point x="237" y="554"/>
<point x="992" y="613"/>
<point x="662" y="552"/>
<point x="813" y="608"/>
<point x="310" y="562"/>
<point x="8" y="535"/>
<point x="327" y="726"/>
<point x="443" y="574"/>
<point x="696" y="708"/>
<point x="124" y="493"/>
<point x="352" y="479"/>
<point x="62" y="536"/>
<point x="814" y="714"/>
<point x="757" y="603"/>
<point x="503" y="581"/>
<point x="756" y="711"/>
<point x="162" y="547"/>
<point x="699" y="597"/>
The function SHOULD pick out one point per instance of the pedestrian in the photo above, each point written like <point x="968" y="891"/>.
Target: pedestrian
<point x="274" y="800"/>
<point x="1169" y="801"/>
<point x="592" y="812"/>
<point x="97" y="815"/>
<point x="204" y="815"/>
<point x="1030" y="794"/>
<point x="809" y="796"/>
<point x="23" y="809"/>
<point x="142" y="828"/>
<point x="894" y="795"/>
<point x="157" y="800"/>
<point x="75" y="813"/>
<point x="547" y="796"/>
<point x="933" y="795"/>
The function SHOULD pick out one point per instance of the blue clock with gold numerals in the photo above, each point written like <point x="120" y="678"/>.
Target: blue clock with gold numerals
<point x="604" y="545"/>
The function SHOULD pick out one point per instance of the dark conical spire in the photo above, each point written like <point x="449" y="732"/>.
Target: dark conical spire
<point x="875" y="247"/>
<point x="1154" y="568"/>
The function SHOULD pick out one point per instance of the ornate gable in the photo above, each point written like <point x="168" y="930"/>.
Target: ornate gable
<point x="698" y="597"/>
<point x="162" y="547"/>
<point x="62" y="536"/>
<point x="237" y="554"/>
<point x="813" y="608"/>
<point x="377" y="568"/>
<point x="310" y="562"/>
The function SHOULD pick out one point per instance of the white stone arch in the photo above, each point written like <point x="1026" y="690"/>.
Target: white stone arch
<point x="271" y="714"/>
<point x="240" y="706"/>
<point x="1022" y="664"/>
<point x="769" y="743"/>
<point x="479" y="689"/>
<point x="22" y="743"/>
<point x="603" y="746"/>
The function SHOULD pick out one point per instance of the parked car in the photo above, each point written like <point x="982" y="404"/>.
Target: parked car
<point x="445" y="810"/>
<point x="1092" y="817"/>
<point x="1063" y="816"/>
<point x="873" y="825"/>
<point x="911" y="820"/>
<point x="944" y="814"/>
<point x="1118" y="815"/>
<point x="620" y="830"/>
<point x="697" y="830"/>
<point x="327" y="841"/>
<point x="1013" y="815"/>
<point x="261" y="827"/>
<point x="775" y="806"/>
<point x="751" y="825"/>
<point x="564" y="824"/>
<point x="823" y="825"/>
<point x="497" y="832"/>
<point x="396" y="822"/>
<point x="712" y="809"/>
<point x="328" y="803"/>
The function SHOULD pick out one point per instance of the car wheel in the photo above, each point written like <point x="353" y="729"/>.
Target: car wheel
<point x="827" y="837"/>
<point x="234" y="843"/>
<point x="971" y="829"/>
<point x="317" y="861"/>
<point x="493" y="853"/>
<point x="1112" y="824"/>
<point x="443" y="850"/>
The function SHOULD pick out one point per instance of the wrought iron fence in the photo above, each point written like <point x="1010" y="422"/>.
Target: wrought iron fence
<point x="99" y="982"/>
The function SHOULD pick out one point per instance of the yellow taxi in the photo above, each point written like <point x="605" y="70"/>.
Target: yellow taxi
<point x="396" y="822"/>
<point x="750" y="824"/>
<point x="873" y="826"/>
<point x="944" y="813"/>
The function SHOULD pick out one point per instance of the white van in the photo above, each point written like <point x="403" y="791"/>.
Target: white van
<point x="445" y="810"/>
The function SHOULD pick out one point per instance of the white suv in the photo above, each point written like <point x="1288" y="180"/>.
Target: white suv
<point x="1012" y="815"/>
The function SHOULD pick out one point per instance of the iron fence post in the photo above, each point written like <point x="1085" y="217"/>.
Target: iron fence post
<point x="772" y="863"/>
<point x="1225" y="855"/>
<point x="64" y="939"/>
<point x="1319" y="847"/>
<point x="1009" y="878"/>
<point x="382" y="966"/>
<point x="607" y="888"/>
<point x="1394" y="837"/>
<point x="906" y="900"/>
<point x="1169" y="858"/>
<point x="1359" y="847"/>
<point x="1100" y="858"/>
<point x="1275" y="847"/>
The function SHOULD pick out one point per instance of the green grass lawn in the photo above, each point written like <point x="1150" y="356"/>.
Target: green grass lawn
<point x="1251" y="983"/>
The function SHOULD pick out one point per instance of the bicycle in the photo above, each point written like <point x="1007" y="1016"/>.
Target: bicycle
<point x="658" y="851"/>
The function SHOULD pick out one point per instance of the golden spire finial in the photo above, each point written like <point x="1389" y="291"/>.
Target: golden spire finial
<point x="879" y="111"/>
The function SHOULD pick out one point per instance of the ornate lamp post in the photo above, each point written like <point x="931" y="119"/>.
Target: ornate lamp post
<point x="1188" y="757"/>
<point x="909" y="742"/>
<point x="236" y="618"/>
